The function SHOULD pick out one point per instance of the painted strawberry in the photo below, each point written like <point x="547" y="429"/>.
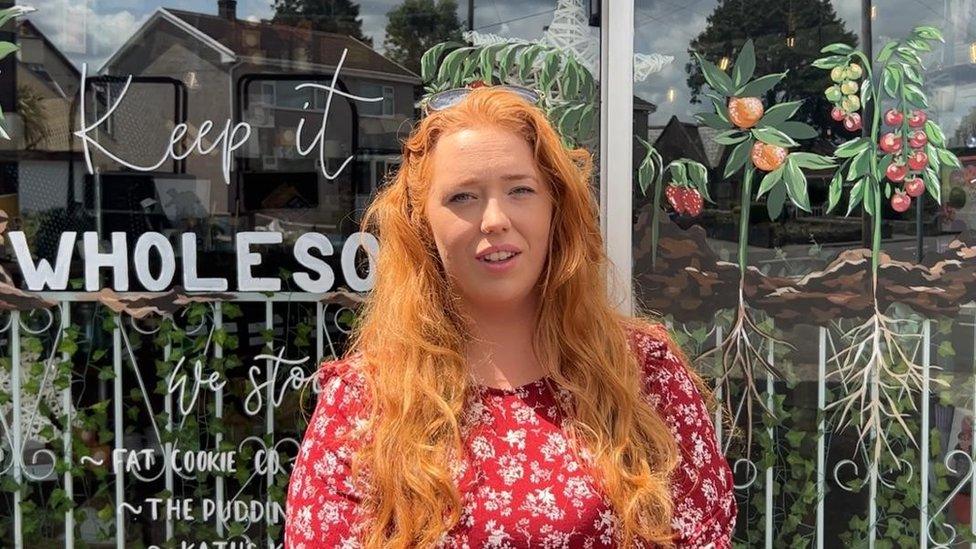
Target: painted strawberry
<point x="674" y="194"/>
<point x="693" y="202"/>
<point x="918" y="160"/>
<point x="917" y="119"/>
<point x="893" y="117"/>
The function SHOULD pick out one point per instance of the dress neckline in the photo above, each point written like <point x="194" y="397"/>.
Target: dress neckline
<point x="537" y="384"/>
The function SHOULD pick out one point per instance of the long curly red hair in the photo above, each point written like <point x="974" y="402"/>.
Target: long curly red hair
<point x="411" y="334"/>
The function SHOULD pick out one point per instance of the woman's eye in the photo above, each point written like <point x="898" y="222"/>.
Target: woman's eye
<point x="457" y="196"/>
<point x="529" y="189"/>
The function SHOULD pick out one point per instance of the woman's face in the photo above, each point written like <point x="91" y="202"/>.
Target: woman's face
<point x="486" y="191"/>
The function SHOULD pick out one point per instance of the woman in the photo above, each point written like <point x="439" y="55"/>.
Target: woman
<point x="496" y="400"/>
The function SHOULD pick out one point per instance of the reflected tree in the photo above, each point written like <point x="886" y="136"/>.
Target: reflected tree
<point x="786" y="36"/>
<point x="338" y="16"/>
<point x="416" y="26"/>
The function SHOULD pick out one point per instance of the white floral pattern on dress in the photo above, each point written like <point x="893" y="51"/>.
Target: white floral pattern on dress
<point x="522" y="484"/>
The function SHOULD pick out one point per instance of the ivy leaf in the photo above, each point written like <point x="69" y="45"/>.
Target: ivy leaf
<point x="836" y="190"/>
<point x="571" y="82"/>
<point x="737" y="158"/>
<point x="716" y="78"/>
<point x="486" y="58"/>
<point x="745" y="64"/>
<point x="527" y="60"/>
<point x="886" y="52"/>
<point x="772" y="136"/>
<point x="777" y="114"/>
<point x="760" y="85"/>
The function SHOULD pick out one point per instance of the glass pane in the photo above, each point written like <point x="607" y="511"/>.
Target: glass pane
<point x="196" y="122"/>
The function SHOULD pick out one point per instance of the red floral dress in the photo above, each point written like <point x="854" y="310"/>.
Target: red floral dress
<point x="521" y="486"/>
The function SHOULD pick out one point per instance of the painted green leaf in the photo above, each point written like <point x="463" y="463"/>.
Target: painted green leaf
<point x="775" y="201"/>
<point x="857" y="194"/>
<point x="745" y="64"/>
<point x="928" y="33"/>
<point x="571" y="79"/>
<point x="934" y="133"/>
<point x="550" y="67"/>
<point x="452" y="63"/>
<point x="836" y="191"/>
<point x="737" y="158"/>
<point x="838" y="48"/>
<point x="932" y="184"/>
<point x="713" y="120"/>
<point x="770" y="180"/>
<point x="853" y="147"/>
<point x="760" y="85"/>
<point x="909" y="56"/>
<point x="721" y="109"/>
<point x="916" y="96"/>
<point x="870" y="191"/>
<point x="772" y="136"/>
<point x="933" y="155"/>
<point x="891" y="81"/>
<point x="428" y="63"/>
<point x="730" y="137"/>
<point x="949" y="159"/>
<point x="507" y="60"/>
<point x="812" y="161"/>
<point x="860" y="166"/>
<point x="886" y="52"/>
<point x="830" y="62"/>
<point x="867" y="92"/>
<point x="678" y="172"/>
<point x="526" y="60"/>
<point x="715" y="77"/>
<point x="796" y="186"/>
<point x="777" y="114"/>
<point x="798" y="130"/>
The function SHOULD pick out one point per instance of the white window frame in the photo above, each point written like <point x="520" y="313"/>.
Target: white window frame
<point x="616" y="146"/>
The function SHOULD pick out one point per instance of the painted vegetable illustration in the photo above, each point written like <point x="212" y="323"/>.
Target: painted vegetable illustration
<point x="899" y="159"/>
<point x="761" y="137"/>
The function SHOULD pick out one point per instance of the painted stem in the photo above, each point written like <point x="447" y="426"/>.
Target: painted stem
<point x="656" y="218"/>
<point x="744" y="223"/>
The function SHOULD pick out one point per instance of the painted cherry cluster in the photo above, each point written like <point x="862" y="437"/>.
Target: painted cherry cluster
<point x="909" y="164"/>
<point x="844" y="95"/>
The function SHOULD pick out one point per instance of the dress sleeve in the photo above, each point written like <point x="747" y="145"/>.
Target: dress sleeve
<point x="322" y="506"/>
<point x="702" y="487"/>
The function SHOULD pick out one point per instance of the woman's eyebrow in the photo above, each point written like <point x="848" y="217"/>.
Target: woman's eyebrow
<point x="470" y="182"/>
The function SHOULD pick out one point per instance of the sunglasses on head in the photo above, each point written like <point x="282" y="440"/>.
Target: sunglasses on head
<point x="448" y="98"/>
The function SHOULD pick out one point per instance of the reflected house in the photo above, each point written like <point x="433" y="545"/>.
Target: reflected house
<point x="195" y="67"/>
<point x="38" y="162"/>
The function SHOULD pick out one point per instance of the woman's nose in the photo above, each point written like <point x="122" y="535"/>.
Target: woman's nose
<point x="494" y="218"/>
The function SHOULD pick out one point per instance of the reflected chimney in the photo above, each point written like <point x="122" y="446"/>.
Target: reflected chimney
<point x="227" y="9"/>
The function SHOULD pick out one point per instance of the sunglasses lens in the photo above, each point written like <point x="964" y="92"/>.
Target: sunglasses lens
<point x="445" y="99"/>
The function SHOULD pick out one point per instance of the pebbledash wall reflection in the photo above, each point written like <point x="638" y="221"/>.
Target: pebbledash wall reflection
<point x="181" y="187"/>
